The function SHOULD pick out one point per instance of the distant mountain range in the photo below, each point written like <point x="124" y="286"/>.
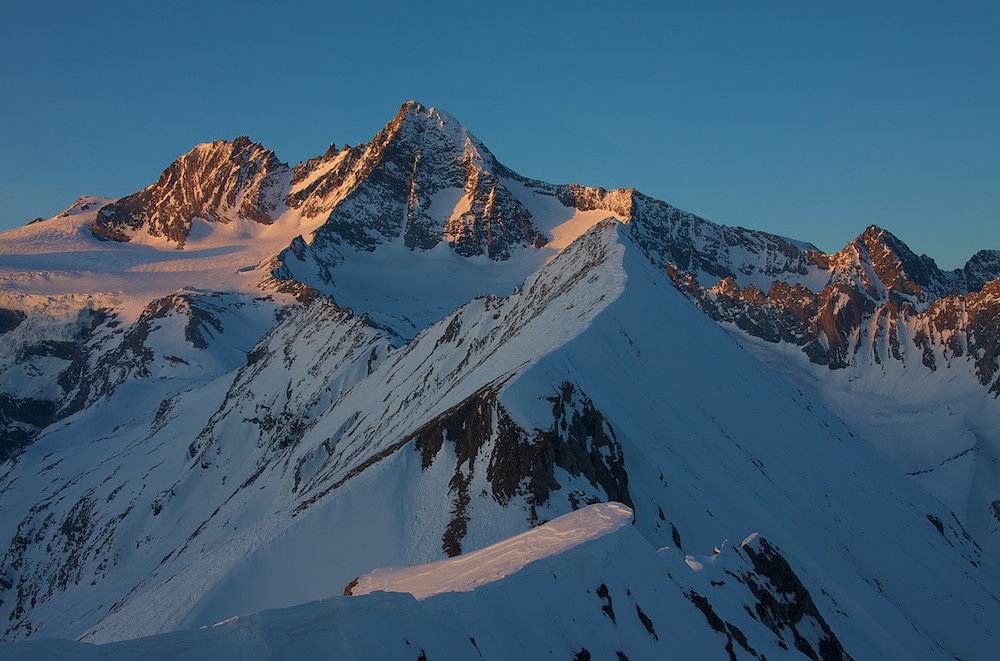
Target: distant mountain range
<point x="250" y="386"/>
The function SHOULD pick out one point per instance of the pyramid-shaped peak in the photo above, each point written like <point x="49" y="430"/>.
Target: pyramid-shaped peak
<point x="876" y="234"/>
<point x="873" y="231"/>
<point x="895" y="265"/>
<point x="426" y="125"/>
<point x="879" y="240"/>
<point x="412" y="106"/>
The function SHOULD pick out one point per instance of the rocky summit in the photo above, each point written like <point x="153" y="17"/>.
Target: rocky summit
<point x="403" y="402"/>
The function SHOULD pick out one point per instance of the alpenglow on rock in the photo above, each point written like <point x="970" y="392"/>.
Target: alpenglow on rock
<point x="218" y="182"/>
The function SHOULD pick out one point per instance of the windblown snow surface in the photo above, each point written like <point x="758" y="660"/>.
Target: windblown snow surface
<point x="469" y="571"/>
<point x="59" y="257"/>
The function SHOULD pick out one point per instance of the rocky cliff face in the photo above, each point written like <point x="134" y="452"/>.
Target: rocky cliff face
<point x="423" y="179"/>
<point x="981" y="269"/>
<point x="681" y="242"/>
<point x="216" y="182"/>
<point x="879" y="302"/>
<point x="520" y="464"/>
<point x="390" y="188"/>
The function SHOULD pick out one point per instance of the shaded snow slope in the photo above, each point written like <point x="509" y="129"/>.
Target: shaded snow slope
<point x="940" y="427"/>
<point x="596" y="381"/>
<point x="721" y="446"/>
<point x="226" y="463"/>
<point x="903" y="352"/>
<point x="609" y="596"/>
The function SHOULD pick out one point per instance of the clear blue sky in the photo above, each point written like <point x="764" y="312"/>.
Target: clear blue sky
<point x="810" y="119"/>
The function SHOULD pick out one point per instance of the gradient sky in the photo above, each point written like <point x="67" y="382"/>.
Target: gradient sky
<point x="809" y="119"/>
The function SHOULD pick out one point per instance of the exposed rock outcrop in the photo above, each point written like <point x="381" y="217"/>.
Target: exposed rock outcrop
<point x="520" y="462"/>
<point x="217" y="182"/>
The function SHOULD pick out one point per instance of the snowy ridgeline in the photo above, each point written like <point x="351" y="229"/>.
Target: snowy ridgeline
<point x="584" y="585"/>
<point x="467" y="572"/>
<point x="383" y="625"/>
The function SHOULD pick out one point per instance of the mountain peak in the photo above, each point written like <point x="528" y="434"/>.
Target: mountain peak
<point x="216" y="181"/>
<point x="983" y="267"/>
<point x="874" y="236"/>
<point x="411" y="106"/>
<point x="422" y="124"/>
<point x="873" y="231"/>
<point x="424" y="179"/>
<point x="897" y="268"/>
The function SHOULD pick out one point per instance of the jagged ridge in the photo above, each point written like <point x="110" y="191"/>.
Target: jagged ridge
<point x="218" y="182"/>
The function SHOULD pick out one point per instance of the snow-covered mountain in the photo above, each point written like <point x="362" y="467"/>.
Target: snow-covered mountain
<point x="249" y="386"/>
<point x="220" y="182"/>
<point x="905" y="353"/>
